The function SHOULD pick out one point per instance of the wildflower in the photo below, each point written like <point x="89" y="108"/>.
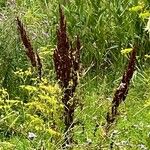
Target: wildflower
<point x="89" y="141"/>
<point x="126" y="51"/>
<point x="147" y="56"/>
<point x="124" y="142"/>
<point x="144" y="15"/>
<point x="142" y="147"/>
<point x="31" y="135"/>
<point x="136" y="8"/>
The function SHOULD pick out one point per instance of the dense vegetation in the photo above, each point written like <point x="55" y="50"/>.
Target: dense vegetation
<point x="32" y="103"/>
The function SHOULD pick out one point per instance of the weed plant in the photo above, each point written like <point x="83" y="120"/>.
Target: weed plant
<point x="31" y="111"/>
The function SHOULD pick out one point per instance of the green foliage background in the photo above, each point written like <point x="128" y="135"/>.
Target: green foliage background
<point x="107" y="30"/>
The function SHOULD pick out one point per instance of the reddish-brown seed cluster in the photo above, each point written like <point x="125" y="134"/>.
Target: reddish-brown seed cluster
<point x="122" y="90"/>
<point x="66" y="58"/>
<point x="34" y="57"/>
<point x="66" y="61"/>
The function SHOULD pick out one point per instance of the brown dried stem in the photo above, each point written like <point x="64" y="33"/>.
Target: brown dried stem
<point x="39" y="66"/>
